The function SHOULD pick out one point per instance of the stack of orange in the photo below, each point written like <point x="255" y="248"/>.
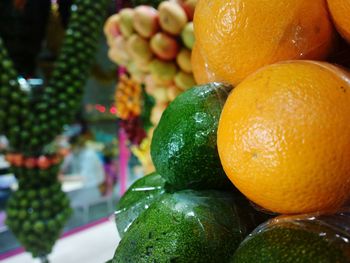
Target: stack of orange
<point x="284" y="132"/>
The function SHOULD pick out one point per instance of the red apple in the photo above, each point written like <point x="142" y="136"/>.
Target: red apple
<point x="111" y="28"/>
<point x="189" y="7"/>
<point x="146" y="21"/>
<point x="164" y="46"/>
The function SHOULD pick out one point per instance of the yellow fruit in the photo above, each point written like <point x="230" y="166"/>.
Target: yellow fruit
<point x="172" y="17"/>
<point x="284" y="137"/>
<point x="173" y="92"/>
<point x="184" y="80"/>
<point x="183" y="60"/>
<point x="118" y="51"/>
<point x="201" y="71"/>
<point x="157" y="112"/>
<point x="340" y="11"/>
<point x="111" y="28"/>
<point x="240" y="36"/>
<point x="139" y="49"/>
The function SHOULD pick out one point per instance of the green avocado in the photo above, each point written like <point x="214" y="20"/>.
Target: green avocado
<point x="289" y="244"/>
<point x="184" y="149"/>
<point x="188" y="226"/>
<point x="138" y="198"/>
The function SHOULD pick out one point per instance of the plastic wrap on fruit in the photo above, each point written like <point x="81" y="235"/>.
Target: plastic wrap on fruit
<point x="189" y="226"/>
<point x="137" y="199"/>
<point x="236" y="38"/>
<point x="301" y="238"/>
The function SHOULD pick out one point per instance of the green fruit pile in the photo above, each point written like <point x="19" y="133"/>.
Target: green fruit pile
<point x="188" y="226"/>
<point x="138" y="198"/>
<point x="37" y="216"/>
<point x="185" y="213"/>
<point x="14" y="102"/>
<point x="36" y="177"/>
<point x="175" y="215"/>
<point x="302" y="239"/>
<point x="183" y="148"/>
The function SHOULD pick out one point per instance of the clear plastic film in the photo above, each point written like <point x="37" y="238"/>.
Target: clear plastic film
<point x="189" y="226"/>
<point x="300" y="238"/>
<point x="138" y="198"/>
<point x="236" y="38"/>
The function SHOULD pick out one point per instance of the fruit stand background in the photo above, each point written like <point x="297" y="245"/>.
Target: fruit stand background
<point x="98" y="91"/>
<point x="153" y="48"/>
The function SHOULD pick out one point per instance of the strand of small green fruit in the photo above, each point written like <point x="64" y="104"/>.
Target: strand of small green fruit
<point x="32" y="122"/>
<point x="38" y="211"/>
<point x="36" y="217"/>
<point x="13" y="101"/>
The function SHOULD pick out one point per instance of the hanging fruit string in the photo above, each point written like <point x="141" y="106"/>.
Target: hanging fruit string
<point x="32" y="118"/>
<point x="14" y="102"/>
<point x="34" y="122"/>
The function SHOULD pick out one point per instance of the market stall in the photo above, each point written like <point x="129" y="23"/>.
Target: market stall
<point x="237" y="112"/>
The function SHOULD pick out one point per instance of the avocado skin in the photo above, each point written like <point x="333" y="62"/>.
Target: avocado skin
<point x="188" y="226"/>
<point x="140" y="195"/>
<point x="184" y="148"/>
<point x="287" y="244"/>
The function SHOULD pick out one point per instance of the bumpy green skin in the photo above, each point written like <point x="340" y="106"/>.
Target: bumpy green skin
<point x="37" y="216"/>
<point x="137" y="199"/>
<point x="188" y="226"/>
<point x="33" y="119"/>
<point x="289" y="245"/>
<point x="183" y="148"/>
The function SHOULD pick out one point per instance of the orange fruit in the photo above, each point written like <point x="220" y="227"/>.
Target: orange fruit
<point x="200" y="69"/>
<point x="240" y="36"/>
<point x="340" y="10"/>
<point x="284" y="137"/>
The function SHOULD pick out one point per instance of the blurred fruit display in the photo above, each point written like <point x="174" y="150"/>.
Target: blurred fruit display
<point x="133" y="108"/>
<point x="32" y="118"/>
<point x="280" y="134"/>
<point x="154" y="46"/>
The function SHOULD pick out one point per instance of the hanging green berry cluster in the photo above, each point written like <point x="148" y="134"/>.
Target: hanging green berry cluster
<point x="31" y="119"/>
<point x="36" y="217"/>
